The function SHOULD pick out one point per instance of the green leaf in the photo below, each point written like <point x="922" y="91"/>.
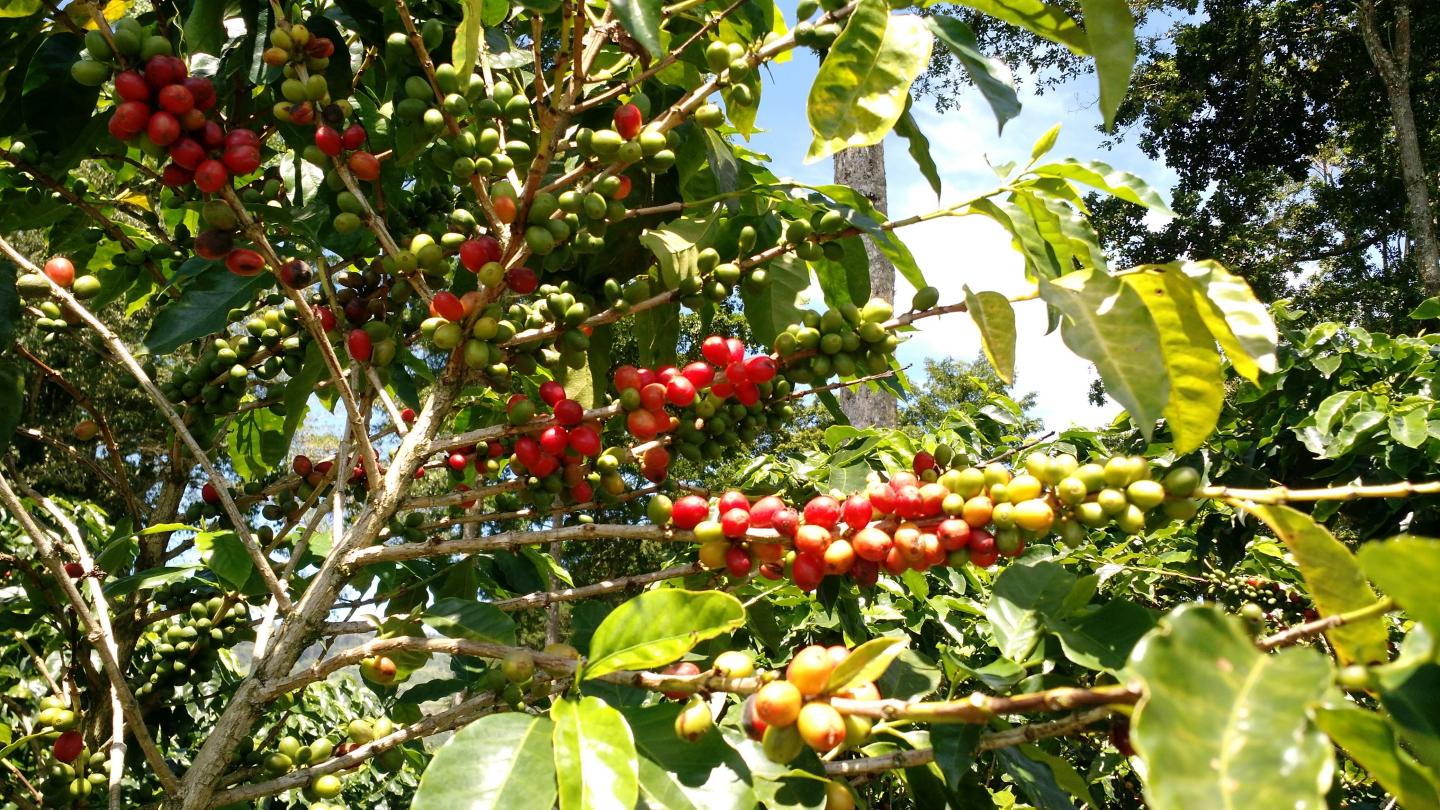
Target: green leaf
<point x="1221" y="720"/>
<point x="203" y="308"/>
<point x="256" y="442"/>
<point x="918" y="146"/>
<point x="298" y="391"/>
<point x="18" y="8"/>
<point x="499" y="762"/>
<point x="1197" y="379"/>
<point x="225" y="554"/>
<point x="703" y="775"/>
<point x="1239" y="322"/>
<point x="149" y="579"/>
<point x="641" y="19"/>
<point x="468" y="37"/>
<point x="1411" y="694"/>
<point x="866" y="663"/>
<point x="954" y="745"/>
<point x="1110" y="28"/>
<point x="863" y="84"/>
<point x="991" y="76"/>
<point x="995" y="318"/>
<point x="769" y="310"/>
<point x="12" y="402"/>
<point x="1105" y="322"/>
<point x="1038" y="780"/>
<point x="466" y="618"/>
<point x="658" y="627"/>
<point x="676" y="246"/>
<point x="1020" y="600"/>
<point x="1104" y="638"/>
<point x="1369" y="740"/>
<point x="1119" y="184"/>
<point x="848" y="280"/>
<point x="1045" y="143"/>
<point x="1334" y="580"/>
<point x="595" y="759"/>
<point x="9" y="305"/>
<point x="1429" y="309"/>
<point x="862" y="214"/>
<point x="205" y="27"/>
<point x="1407" y="568"/>
<point x="1036" y="17"/>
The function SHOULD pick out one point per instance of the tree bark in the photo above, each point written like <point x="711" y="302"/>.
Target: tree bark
<point x="1393" y="66"/>
<point x="863" y="169"/>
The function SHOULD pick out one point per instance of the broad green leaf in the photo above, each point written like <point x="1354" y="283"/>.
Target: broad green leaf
<point x="1369" y="740"/>
<point x="1239" y="322"/>
<point x="1022" y="597"/>
<point x="1104" y="638"/>
<point x="658" y="627"/>
<point x="1429" y="309"/>
<point x="1106" y="322"/>
<point x="1334" y="579"/>
<point x="499" y="762"/>
<point x="298" y="391"/>
<point x="1197" y="380"/>
<point x="703" y="775"/>
<point x="256" y="442"/>
<point x="1040" y="258"/>
<point x="641" y="19"/>
<point x="1406" y="569"/>
<point x="1119" y="184"/>
<point x="955" y="745"/>
<point x="1411" y="428"/>
<point x="1038" y="18"/>
<point x="866" y="663"/>
<point x="1223" y="721"/>
<point x="676" y="246"/>
<point x="12" y="402"/>
<point x="595" y="759"/>
<point x="225" y="554"/>
<point x="579" y="383"/>
<point x="466" y="618"/>
<point x="1411" y="694"/>
<point x="846" y="281"/>
<point x="770" y="309"/>
<point x="18" y="8"/>
<point x="1110" y="28"/>
<point x="991" y="76"/>
<point x="918" y="146"/>
<point x="205" y="27"/>
<point x="468" y="37"/>
<point x="860" y="212"/>
<point x="203" y="308"/>
<point x="863" y="84"/>
<point x="994" y="316"/>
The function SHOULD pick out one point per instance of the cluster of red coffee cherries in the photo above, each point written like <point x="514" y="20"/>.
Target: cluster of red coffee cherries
<point x="334" y="142"/>
<point x="896" y="525"/>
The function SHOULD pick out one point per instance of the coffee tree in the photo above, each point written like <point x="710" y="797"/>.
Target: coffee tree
<point x="472" y="231"/>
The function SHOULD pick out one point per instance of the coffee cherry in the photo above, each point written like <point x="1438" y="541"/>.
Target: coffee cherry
<point x="328" y="140"/>
<point x="810" y="669"/>
<point x="211" y="176"/>
<point x="68" y="746"/>
<point x="680" y="668"/>
<point x="61" y="271"/>
<point x="822" y="510"/>
<point x="782" y="744"/>
<point x="837" y="794"/>
<point x="778" y="703"/>
<point x="74" y="570"/>
<point x="364" y="166"/>
<point x="628" y="121"/>
<point x="694" y="721"/>
<point x="378" y="669"/>
<point x="821" y="726"/>
<point x="734" y="664"/>
<point x="359" y="345"/>
<point x="353" y="137"/>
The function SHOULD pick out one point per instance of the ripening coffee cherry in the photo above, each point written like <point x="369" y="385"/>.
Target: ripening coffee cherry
<point x="694" y="721"/>
<point x="628" y="121"/>
<point x="781" y="744"/>
<point x="734" y="664"/>
<point x="778" y="703"/>
<point x="61" y="271"/>
<point x="810" y="669"/>
<point x="328" y="140"/>
<point x="364" y="166"/>
<point x="821" y="726"/>
<point x="378" y="669"/>
<point x="689" y="511"/>
<point x="680" y="668"/>
<point x="68" y="746"/>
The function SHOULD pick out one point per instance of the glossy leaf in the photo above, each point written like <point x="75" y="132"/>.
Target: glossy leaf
<point x="863" y="85"/>
<point x="1224" y="721"/>
<point x="1411" y="694"/>
<point x="991" y="76"/>
<point x="203" y="308"/>
<point x="1334" y="579"/>
<point x="994" y="316"/>
<point x="866" y="663"/>
<point x="595" y="759"/>
<point x="1197" y="380"/>
<point x="1369" y="740"/>
<point x="468" y="37"/>
<point x="19" y="8"/>
<point x="1104" y="638"/>
<point x="769" y="310"/>
<point x="499" y="762"/>
<point x="1110" y="28"/>
<point x="658" y="627"/>
<point x="918" y="146"/>
<point x="1039" y="18"/>
<point x="225" y="554"/>
<point x="1239" y="322"/>
<point x="1121" y="185"/>
<point x="256" y="442"/>
<point x="1406" y="569"/>
<point x="1021" y="598"/>
<point x="1107" y="323"/>
<point x="466" y="618"/>
<point x="703" y="775"/>
<point x="149" y="579"/>
<point x="641" y="19"/>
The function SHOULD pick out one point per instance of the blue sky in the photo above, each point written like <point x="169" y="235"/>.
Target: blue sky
<point x="953" y="252"/>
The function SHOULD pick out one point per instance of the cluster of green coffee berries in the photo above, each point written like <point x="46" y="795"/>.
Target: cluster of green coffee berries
<point x="131" y="42"/>
<point x="1258" y="599"/>
<point x="56" y="714"/>
<point x="174" y="650"/>
<point x="302" y="58"/>
<point x="220" y="376"/>
<point x="77" y="779"/>
<point x="810" y="35"/>
<point x="515" y="676"/>
<point x="573" y="219"/>
<point x="846" y="342"/>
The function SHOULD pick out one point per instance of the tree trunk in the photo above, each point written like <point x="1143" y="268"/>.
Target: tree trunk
<point x="863" y="169"/>
<point x="1393" y="66"/>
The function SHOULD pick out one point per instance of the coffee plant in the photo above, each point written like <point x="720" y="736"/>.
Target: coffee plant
<point x="473" y="231"/>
